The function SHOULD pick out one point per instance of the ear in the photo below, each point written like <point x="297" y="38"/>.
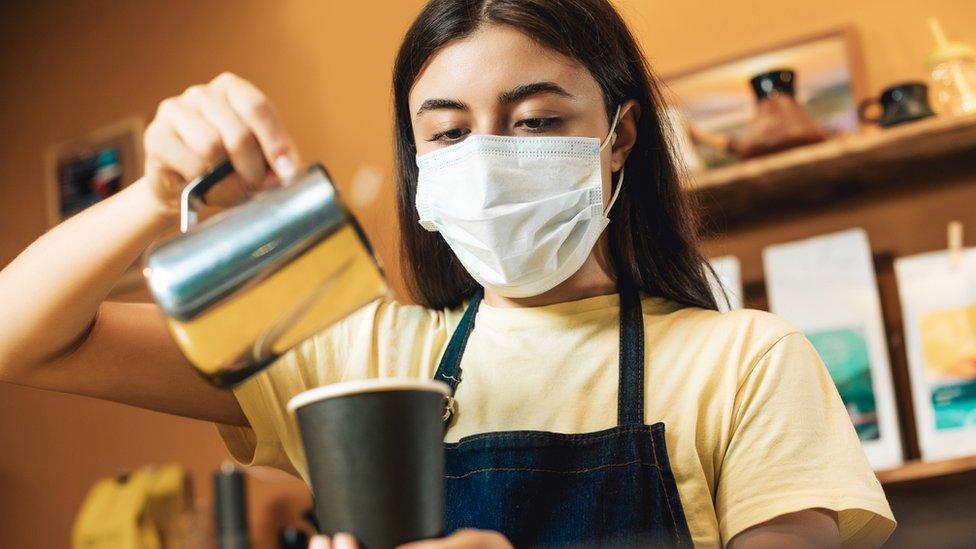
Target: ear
<point x="626" y="134"/>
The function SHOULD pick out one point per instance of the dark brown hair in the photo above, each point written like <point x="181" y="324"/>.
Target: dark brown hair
<point x="652" y="233"/>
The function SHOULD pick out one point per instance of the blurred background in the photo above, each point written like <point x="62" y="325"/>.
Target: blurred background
<point x="79" y="79"/>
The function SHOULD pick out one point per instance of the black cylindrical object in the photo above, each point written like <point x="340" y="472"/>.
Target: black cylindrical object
<point x="230" y="508"/>
<point x="375" y="458"/>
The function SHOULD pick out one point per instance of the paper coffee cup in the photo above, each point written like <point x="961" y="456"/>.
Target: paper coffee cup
<point x="375" y="457"/>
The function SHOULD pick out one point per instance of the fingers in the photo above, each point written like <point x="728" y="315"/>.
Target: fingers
<point x="193" y="131"/>
<point x="344" y="541"/>
<point x="173" y="153"/>
<point x="230" y="119"/>
<point x="261" y="118"/>
<point x="239" y="144"/>
<point x="227" y="119"/>
<point x="464" y="538"/>
<point x="341" y="541"/>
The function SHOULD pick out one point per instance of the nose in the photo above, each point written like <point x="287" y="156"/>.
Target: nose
<point x="490" y="123"/>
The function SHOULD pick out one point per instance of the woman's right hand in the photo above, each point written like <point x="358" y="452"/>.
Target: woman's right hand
<point x="227" y="118"/>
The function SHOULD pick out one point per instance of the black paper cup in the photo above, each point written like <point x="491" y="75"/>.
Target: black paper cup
<point x="375" y="457"/>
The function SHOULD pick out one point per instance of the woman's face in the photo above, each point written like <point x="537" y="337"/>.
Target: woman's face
<point x="498" y="81"/>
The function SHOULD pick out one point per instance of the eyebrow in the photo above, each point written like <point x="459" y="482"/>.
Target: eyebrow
<point x="434" y="104"/>
<point x="513" y="95"/>
<point x="527" y="90"/>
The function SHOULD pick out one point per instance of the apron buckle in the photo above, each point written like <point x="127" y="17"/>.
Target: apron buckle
<point x="450" y="408"/>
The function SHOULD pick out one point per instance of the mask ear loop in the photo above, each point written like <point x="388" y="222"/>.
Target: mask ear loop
<point x="616" y="192"/>
<point x="613" y="127"/>
<point x="611" y="137"/>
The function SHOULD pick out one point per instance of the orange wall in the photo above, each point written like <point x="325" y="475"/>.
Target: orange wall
<point x="69" y="67"/>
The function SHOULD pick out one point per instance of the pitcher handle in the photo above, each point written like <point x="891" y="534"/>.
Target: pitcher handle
<point x="194" y="191"/>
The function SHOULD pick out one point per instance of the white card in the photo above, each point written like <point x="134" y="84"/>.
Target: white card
<point x="728" y="284"/>
<point x="938" y="301"/>
<point x="826" y="287"/>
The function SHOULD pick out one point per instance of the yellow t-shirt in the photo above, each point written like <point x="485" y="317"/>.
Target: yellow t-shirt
<point x="754" y="425"/>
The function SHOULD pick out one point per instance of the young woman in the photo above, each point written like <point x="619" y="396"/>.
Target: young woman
<point x="576" y="297"/>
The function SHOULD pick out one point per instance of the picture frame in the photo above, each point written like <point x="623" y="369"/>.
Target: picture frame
<point x="715" y="98"/>
<point x="82" y="171"/>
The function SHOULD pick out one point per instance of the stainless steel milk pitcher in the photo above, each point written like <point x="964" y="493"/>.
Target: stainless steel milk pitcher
<point x="244" y="286"/>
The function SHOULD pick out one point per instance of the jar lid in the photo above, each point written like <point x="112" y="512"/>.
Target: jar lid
<point x="954" y="51"/>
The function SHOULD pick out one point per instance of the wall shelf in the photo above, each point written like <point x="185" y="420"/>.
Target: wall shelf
<point x="917" y="470"/>
<point x="814" y="175"/>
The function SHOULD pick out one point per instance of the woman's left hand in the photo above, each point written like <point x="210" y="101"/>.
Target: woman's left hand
<point x="462" y="539"/>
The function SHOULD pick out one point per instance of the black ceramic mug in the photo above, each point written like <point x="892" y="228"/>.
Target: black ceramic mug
<point x="900" y="103"/>
<point x="773" y="82"/>
<point x="375" y="457"/>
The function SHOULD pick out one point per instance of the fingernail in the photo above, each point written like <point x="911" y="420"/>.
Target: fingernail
<point x="319" y="542"/>
<point x="344" y="541"/>
<point x="284" y="167"/>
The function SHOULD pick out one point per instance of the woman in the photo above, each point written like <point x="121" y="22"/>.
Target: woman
<point x="516" y="121"/>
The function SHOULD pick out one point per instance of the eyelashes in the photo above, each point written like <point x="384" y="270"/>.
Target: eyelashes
<point x="530" y="125"/>
<point x="450" y="136"/>
<point x="539" y="124"/>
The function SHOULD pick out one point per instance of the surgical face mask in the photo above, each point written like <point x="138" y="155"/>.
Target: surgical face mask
<point x="521" y="213"/>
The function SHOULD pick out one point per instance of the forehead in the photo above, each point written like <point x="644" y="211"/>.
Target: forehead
<point x="493" y="59"/>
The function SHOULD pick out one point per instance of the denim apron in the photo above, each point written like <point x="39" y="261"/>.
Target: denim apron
<point x="608" y="488"/>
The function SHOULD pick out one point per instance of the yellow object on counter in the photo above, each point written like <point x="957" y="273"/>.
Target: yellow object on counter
<point x="141" y="511"/>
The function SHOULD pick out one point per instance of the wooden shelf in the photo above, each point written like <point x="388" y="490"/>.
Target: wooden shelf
<point x="818" y="174"/>
<point x="926" y="470"/>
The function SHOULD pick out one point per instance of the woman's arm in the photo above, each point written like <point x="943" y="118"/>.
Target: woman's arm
<point x="810" y="528"/>
<point x="52" y="289"/>
<point x="60" y="335"/>
<point x="792" y="447"/>
<point x="53" y="339"/>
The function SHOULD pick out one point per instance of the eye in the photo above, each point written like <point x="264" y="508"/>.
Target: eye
<point x="538" y="125"/>
<point x="451" y="135"/>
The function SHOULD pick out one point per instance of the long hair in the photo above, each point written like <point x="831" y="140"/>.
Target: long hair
<point x="652" y="236"/>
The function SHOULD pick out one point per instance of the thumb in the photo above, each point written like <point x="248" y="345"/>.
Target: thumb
<point x="319" y="542"/>
<point x="345" y="541"/>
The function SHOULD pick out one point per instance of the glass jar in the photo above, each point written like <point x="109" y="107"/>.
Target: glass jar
<point x="953" y="74"/>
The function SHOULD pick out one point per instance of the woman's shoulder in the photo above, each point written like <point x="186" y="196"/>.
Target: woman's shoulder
<point x="746" y="334"/>
<point x="393" y="313"/>
<point x="741" y="322"/>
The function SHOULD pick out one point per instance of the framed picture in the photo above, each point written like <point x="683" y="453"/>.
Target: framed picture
<point x="91" y="168"/>
<point x="717" y="98"/>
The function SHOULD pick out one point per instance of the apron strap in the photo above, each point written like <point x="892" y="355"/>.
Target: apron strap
<point x="449" y="370"/>
<point x="630" y="393"/>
